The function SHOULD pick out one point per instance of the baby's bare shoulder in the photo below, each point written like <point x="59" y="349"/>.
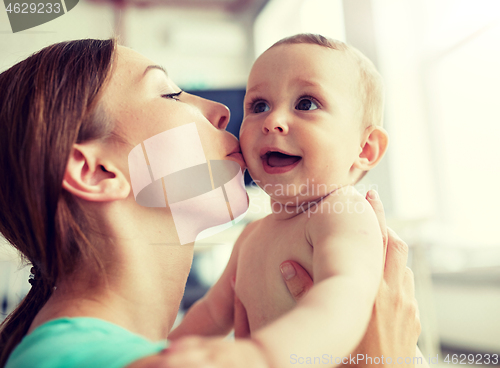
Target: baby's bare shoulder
<point x="343" y="202"/>
<point x="249" y="232"/>
<point x="342" y="211"/>
<point x="252" y="227"/>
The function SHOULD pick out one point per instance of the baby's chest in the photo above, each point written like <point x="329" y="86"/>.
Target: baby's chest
<point x="259" y="283"/>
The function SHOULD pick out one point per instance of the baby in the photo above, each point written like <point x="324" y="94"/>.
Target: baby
<point x="311" y="129"/>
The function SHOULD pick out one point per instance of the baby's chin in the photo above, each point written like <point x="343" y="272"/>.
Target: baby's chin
<point x="283" y="191"/>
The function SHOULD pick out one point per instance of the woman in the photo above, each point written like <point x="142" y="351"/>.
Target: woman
<point x="109" y="273"/>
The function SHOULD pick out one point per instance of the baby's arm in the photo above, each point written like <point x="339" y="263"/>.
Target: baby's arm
<point x="347" y="267"/>
<point x="214" y="313"/>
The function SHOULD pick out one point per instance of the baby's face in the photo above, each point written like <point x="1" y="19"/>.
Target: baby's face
<point x="302" y="122"/>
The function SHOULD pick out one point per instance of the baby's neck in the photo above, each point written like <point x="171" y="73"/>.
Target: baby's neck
<point x="294" y="206"/>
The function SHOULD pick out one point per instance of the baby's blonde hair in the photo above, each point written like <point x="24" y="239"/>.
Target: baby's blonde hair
<point x="371" y="85"/>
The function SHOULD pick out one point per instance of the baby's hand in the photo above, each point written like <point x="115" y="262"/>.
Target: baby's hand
<point x="198" y="352"/>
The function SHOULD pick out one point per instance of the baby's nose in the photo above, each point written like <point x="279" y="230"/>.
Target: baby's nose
<point x="274" y="124"/>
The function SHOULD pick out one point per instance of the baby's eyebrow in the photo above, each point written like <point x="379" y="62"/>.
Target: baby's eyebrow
<point x="297" y="81"/>
<point x="306" y="82"/>
<point x="256" y="87"/>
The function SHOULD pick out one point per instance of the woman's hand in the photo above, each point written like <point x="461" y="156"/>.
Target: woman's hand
<point x="395" y="326"/>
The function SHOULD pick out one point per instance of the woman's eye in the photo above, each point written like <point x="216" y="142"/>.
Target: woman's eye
<point x="172" y="96"/>
<point x="260" y="107"/>
<point x="306" y="104"/>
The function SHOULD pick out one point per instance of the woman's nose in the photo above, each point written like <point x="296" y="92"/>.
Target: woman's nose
<point x="217" y="113"/>
<point x="274" y="124"/>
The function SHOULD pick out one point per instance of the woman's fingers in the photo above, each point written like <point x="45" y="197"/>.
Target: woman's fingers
<point x="373" y="198"/>
<point x="296" y="278"/>
<point x="395" y="262"/>
<point x="409" y="282"/>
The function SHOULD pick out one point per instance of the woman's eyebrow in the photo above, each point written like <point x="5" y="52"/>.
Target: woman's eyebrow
<point x="159" y="67"/>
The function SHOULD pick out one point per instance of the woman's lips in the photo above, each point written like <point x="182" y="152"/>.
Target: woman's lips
<point x="239" y="158"/>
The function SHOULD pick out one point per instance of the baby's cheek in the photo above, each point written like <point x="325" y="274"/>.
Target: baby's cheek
<point x="245" y="145"/>
<point x="249" y="148"/>
<point x="252" y="163"/>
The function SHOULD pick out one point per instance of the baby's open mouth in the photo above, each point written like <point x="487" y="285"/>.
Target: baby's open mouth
<point x="278" y="159"/>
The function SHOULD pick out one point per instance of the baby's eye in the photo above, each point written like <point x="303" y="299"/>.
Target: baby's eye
<point x="259" y="107"/>
<point x="306" y="104"/>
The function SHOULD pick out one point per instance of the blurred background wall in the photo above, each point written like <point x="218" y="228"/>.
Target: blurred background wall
<point x="440" y="61"/>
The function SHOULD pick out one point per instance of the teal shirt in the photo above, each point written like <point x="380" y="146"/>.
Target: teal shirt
<point x="81" y="342"/>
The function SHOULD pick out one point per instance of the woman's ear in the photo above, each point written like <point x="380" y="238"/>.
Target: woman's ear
<point x="372" y="149"/>
<point x="93" y="177"/>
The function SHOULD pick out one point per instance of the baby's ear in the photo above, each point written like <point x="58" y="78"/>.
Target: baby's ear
<point x="93" y="177"/>
<point x="372" y="149"/>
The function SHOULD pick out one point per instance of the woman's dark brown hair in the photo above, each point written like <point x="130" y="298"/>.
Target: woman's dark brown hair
<point x="48" y="102"/>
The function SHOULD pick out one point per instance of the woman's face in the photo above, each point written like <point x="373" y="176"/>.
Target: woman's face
<point x="142" y="102"/>
<point x="179" y="147"/>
